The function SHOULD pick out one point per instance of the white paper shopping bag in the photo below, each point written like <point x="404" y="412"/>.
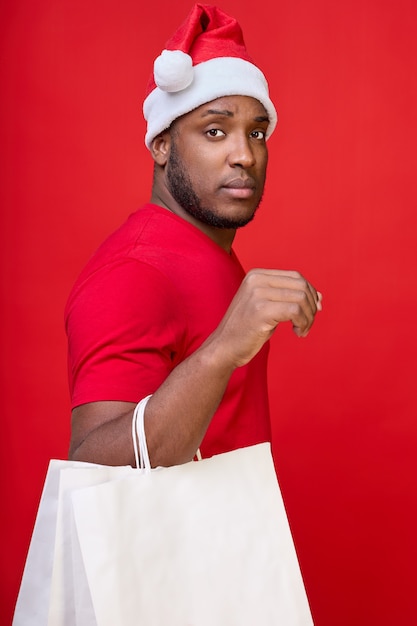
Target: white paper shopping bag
<point x="69" y="602"/>
<point x="206" y="543"/>
<point x="48" y="595"/>
<point x="32" y="604"/>
<point x="202" y="544"/>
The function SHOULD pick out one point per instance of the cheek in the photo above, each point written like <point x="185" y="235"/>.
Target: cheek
<point x="202" y="175"/>
<point x="262" y="161"/>
<point x="262" y="170"/>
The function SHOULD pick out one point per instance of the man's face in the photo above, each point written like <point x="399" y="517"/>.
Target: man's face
<point x="217" y="162"/>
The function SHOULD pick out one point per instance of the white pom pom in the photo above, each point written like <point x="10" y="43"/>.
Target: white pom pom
<point x="173" y="70"/>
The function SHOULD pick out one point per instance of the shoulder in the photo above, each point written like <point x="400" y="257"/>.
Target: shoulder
<point x="126" y="287"/>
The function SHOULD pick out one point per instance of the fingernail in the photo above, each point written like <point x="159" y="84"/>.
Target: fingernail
<point x="319" y="299"/>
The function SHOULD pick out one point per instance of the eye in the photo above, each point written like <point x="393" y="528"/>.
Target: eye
<point x="215" y="132"/>
<point x="258" y="134"/>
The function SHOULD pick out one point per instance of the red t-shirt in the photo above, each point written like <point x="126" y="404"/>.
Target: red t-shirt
<point x="147" y="299"/>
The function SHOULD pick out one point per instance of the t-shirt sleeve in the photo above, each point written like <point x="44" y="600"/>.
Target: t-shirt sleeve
<point x="125" y="333"/>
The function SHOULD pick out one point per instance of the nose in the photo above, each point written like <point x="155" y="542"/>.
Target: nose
<point x="240" y="152"/>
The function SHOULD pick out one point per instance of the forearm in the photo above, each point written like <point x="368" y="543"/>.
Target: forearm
<point x="179" y="413"/>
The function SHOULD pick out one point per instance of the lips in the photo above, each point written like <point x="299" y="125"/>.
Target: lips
<point x="240" y="183"/>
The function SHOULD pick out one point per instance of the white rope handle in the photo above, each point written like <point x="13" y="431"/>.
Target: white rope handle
<point x="139" y="437"/>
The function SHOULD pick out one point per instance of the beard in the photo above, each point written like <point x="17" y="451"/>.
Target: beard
<point x="181" y="189"/>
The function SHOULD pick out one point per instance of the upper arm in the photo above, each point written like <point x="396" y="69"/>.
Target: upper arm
<point x="100" y="433"/>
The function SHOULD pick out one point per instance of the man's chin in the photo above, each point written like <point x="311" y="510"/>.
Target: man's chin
<point x="217" y="220"/>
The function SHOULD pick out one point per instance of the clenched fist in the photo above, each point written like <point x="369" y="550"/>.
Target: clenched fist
<point x="264" y="299"/>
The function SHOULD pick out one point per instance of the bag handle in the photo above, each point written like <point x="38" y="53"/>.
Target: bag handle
<point x="138" y="435"/>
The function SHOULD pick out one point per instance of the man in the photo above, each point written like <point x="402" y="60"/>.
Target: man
<point x="164" y="307"/>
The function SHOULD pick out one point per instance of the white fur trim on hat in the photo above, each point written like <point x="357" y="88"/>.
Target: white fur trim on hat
<point x="215" y="78"/>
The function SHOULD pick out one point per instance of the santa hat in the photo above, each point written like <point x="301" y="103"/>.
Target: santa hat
<point x="205" y="59"/>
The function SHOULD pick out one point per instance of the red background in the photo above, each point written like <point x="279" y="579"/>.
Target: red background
<point x="340" y="207"/>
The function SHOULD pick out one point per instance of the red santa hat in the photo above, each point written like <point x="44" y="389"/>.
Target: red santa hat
<point x="205" y="59"/>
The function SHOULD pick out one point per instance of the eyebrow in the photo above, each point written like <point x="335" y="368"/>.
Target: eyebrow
<point x="226" y="113"/>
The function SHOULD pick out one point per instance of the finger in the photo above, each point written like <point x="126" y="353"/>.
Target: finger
<point x="293" y="280"/>
<point x="279" y="311"/>
<point x="303" y="332"/>
<point x="302" y="323"/>
<point x="297" y="291"/>
<point x="291" y="274"/>
<point x="319" y="301"/>
<point x="287" y="285"/>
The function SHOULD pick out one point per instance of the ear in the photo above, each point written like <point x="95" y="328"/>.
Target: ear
<point x="160" y="148"/>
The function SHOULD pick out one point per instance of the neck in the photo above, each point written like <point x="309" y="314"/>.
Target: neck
<point x="223" y="237"/>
